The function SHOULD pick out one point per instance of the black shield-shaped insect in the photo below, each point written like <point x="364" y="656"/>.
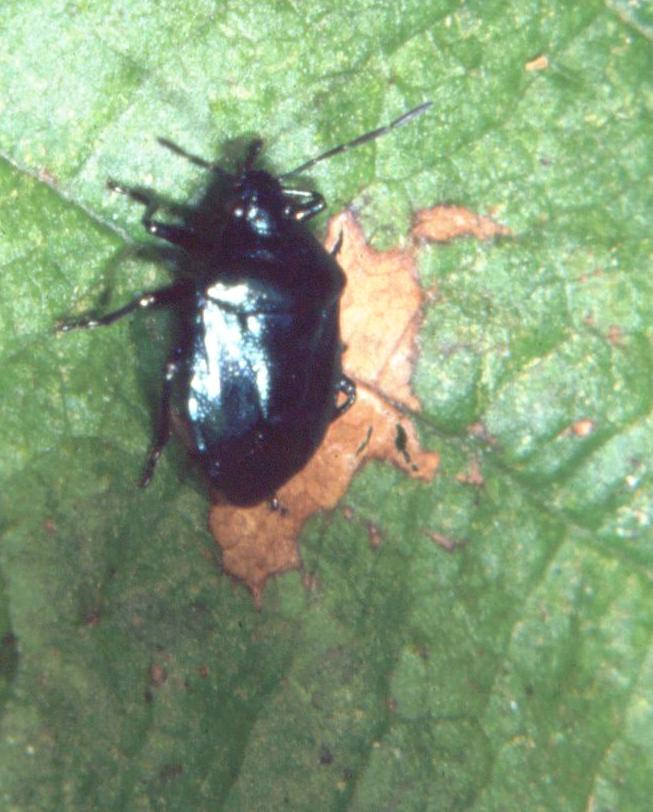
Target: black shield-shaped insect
<point x="255" y="373"/>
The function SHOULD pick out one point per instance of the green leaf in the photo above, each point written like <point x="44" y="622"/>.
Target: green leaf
<point x="513" y="672"/>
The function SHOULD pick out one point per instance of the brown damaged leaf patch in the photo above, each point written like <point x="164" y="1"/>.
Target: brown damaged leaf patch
<point x="443" y="223"/>
<point x="380" y="319"/>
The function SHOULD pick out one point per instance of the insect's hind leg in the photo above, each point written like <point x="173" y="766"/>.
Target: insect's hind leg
<point x="335" y="249"/>
<point x="276" y="506"/>
<point x="172" y="368"/>
<point x="345" y="387"/>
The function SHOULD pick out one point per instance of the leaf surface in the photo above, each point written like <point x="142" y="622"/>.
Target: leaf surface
<point x="512" y="671"/>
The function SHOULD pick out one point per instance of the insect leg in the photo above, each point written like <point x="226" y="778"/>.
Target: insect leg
<point x="276" y="507"/>
<point x="162" y="430"/>
<point x="157" y="298"/>
<point x="347" y="388"/>
<point x="335" y="250"/>
<point x="179" y="235"/>
<point x="302" y="205"/>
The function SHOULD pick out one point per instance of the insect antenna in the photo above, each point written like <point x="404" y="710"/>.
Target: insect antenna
<point x="194" y="159"/>
<point x="362" y="139"/>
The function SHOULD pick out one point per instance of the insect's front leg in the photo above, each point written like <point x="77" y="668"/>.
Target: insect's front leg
<point x="157" y="298"/>
<point x="182" y="236"/>
<point x="302" y="205"/>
